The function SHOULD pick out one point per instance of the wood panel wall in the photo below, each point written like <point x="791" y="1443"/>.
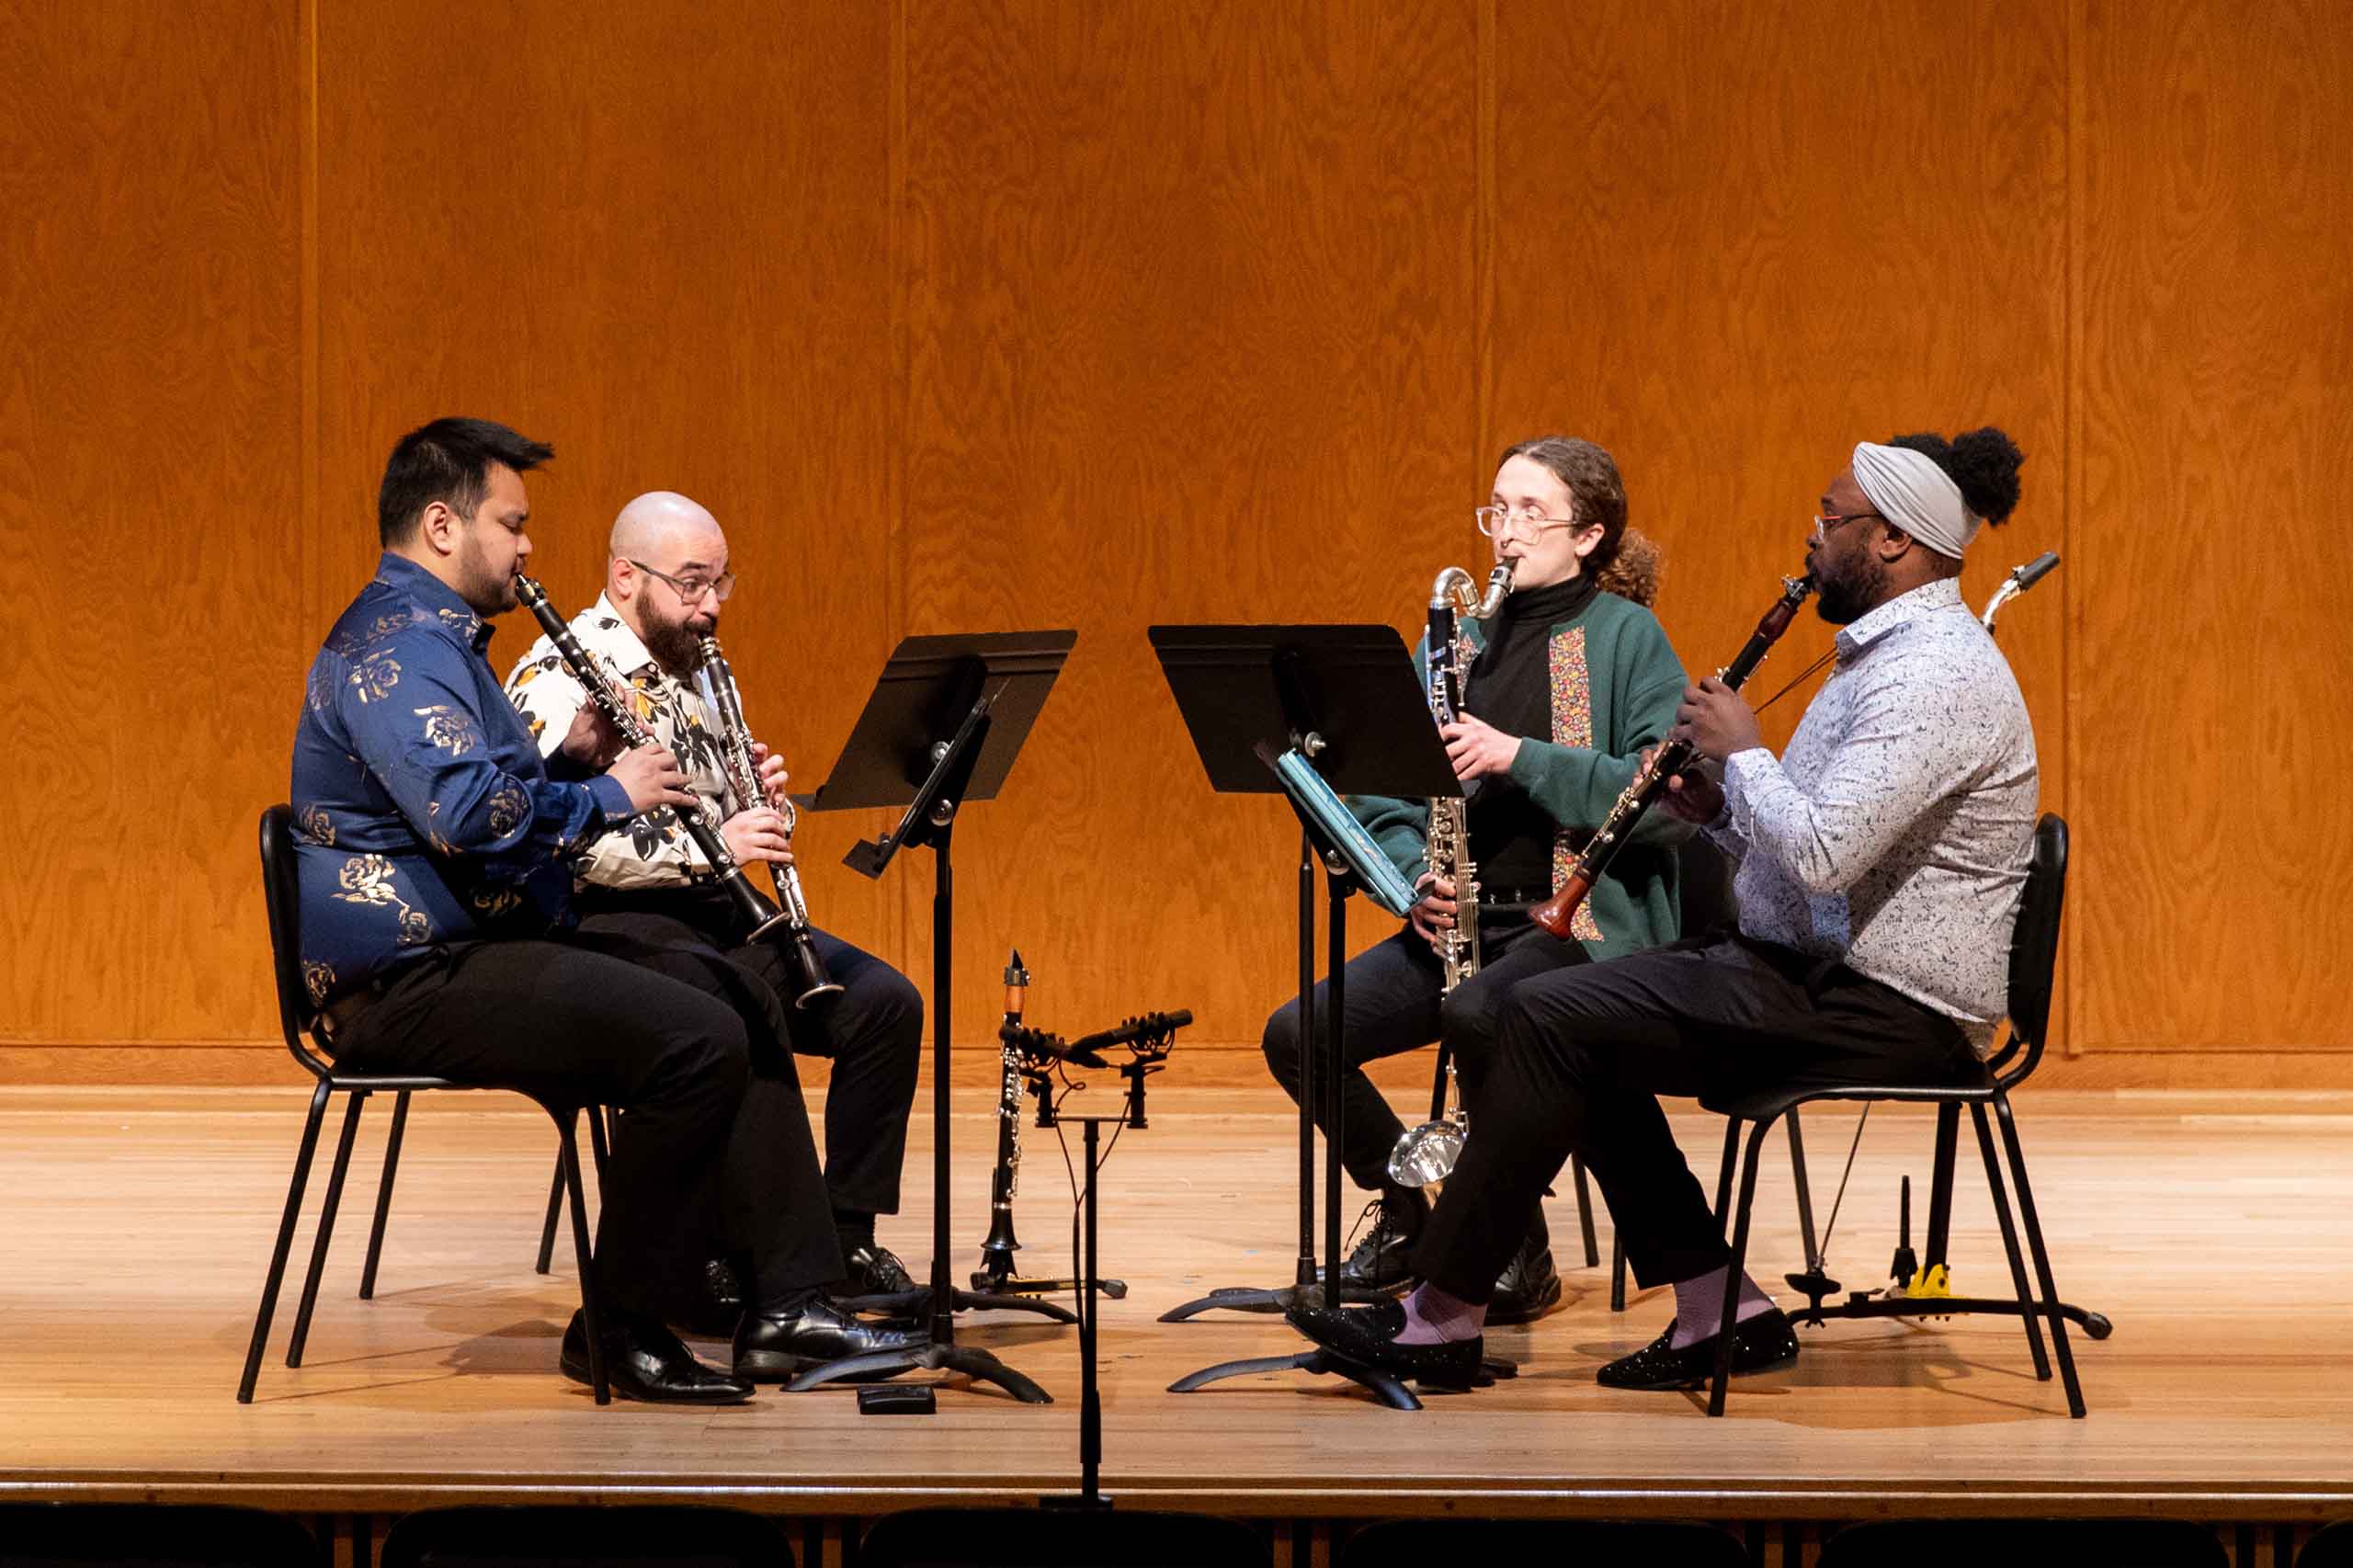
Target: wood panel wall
<point x="1002" y="313"/>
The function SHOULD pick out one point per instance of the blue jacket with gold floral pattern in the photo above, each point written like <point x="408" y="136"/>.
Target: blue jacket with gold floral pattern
<point x="423" y="813"/>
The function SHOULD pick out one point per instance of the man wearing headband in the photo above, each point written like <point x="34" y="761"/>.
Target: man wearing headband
<point x="1880" y="865"/>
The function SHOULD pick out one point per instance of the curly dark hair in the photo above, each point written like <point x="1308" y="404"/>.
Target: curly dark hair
<point x="1599" y="495"/>
<point x="1983" y="463"/>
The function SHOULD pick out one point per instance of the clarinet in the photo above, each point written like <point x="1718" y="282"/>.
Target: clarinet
<point x="997" y="1250"/>
<point x="717" y="683"/>
<point x="757" y="911"/>
<point x="1650" y="782"/>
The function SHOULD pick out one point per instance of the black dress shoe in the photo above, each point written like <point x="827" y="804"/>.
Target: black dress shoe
<point x="773" y="1345"/>
<point x="1761" y="1343"/>
<point x="719" y="1305"/>
<point x="1381" y="1261"/>
<point x="643" y="1360"/>
<point x="876" y="1271"/>
<point x="1529" y="1286"/>
<point x="1367" y="1335"/>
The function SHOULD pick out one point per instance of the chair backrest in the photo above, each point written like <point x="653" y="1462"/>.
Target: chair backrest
<point x="281" y="897"/>
<point x="588" y="1537"/>
<point x="150" y="1534"/>
<point x="1972" y="1544"/>
<point x="1047" y="1537"/>
<point x="2034" y="943"/>
<point x="1416" y="1543"/>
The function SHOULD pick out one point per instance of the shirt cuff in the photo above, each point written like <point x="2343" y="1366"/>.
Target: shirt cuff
<point x="612" y="801"/>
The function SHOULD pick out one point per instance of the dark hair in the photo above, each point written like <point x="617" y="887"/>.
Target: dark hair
<point x="1599" y="496"/>
<point x="1984" y="463"/>
<point x="447" y="460"/>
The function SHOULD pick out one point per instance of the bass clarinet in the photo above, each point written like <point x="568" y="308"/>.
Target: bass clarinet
<point x="1650" y="780"/>
<point x="718" y="682"/>
<point x="757" y="913"/>
<point x="1425" y="1155"/>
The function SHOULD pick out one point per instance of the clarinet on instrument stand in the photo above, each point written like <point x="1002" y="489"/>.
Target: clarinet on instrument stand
<point x="1021" y="1073"/>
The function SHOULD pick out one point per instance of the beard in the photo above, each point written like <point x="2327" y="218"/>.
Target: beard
<point x="675" y="645"/>
<point x="486" y="591"/>
<point x="1846" y="592"/>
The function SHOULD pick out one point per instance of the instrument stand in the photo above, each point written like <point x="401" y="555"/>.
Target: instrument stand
<point x="995" y="1274"/>
<point x="1344" y="697"/>
<point x="984" y="691"/>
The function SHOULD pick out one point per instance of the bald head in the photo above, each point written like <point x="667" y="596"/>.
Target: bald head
<point x="659" y="522"/>
<point x="659" y="540"/>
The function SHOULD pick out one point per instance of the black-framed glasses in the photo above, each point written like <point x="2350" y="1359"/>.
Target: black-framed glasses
<point x="691" y="589"/>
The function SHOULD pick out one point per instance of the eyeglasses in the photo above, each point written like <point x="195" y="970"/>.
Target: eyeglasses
<point x="1496" y="521"/>
<point x="690" y="589"/>
<point x="1821" y="525"/>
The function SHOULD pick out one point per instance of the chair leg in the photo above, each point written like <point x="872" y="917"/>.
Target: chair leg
<point x="1805" y="1195"/>
<point x="2065" y="1354"/>
<point x="1940" y="1187"/>
<point x="1999" y="1191"/>
<point x="1734" y="1269"/>
<point x="555" y="1212"/>
<point x="592" y="1320"/>
<point x="1616" y="1271"/>
<point x="326" y="1228"/>
<point x="303" y="1154"/>
<point x="384" y="1196"/>
<point x="1585" y="1213"/>
<point x="599" y="1141"/>
<point x="1723" y="1172"/>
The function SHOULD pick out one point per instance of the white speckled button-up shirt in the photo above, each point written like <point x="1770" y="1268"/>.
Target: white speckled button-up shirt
<point x="1895" y="832"/>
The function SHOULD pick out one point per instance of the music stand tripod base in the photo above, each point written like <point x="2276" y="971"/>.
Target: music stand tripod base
<point x="971" y="1360"/>
<point x="1277" y="1299"/>
<point x="917" y="1303"/>
<point x="1386" y="1387"/>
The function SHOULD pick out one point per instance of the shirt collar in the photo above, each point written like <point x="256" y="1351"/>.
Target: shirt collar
<point x="1927" y="600"/>
<point x="404" y="576"/>
<point x="611" y="636"/>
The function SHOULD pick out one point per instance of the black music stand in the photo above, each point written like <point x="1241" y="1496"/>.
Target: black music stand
<point x="945" y="722"/>
<point x="1346" y="698"/>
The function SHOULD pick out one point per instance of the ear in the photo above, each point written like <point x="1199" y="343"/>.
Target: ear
<point x="438" y="526"/>
<point x="1589" y="543"/>
<point x="621" y="579"/>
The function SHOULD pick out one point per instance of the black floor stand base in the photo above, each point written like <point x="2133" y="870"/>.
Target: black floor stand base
<point x="1031" y="1285"/>
<point x="1390" y="1391"/>
<point x="916" y="1303"/>
<point x="974" y="1363"/>
<point x="2094" y="1323"/>
<point x="1281" y="1299"/>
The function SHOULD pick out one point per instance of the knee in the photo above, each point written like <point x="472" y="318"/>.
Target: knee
<point x="899" y="1007"/>
<point x="708" y="1056"/>
<point x="1280" y="1043"/>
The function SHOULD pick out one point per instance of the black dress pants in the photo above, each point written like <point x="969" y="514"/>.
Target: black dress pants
<point x="587" y="1020"/>
<point x="1392" y="1006"/>
<point x="872" y="1033"/>
<point x="1582" y="1056"/>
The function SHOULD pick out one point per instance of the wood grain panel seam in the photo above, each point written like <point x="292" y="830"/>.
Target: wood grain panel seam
<point x="1483" y="224"/>
<point x="901" y="396"/>
<point x="307" y="293"/>
<point x="2071" y="470"/>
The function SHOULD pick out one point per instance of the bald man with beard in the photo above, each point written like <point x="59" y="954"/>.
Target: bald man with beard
<point x="667" y="578"/>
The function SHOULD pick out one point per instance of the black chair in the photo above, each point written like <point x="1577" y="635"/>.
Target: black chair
<point x="1056" y="1538"/>
<point x="306" y="1040"/>
<point x="1596" y="1543"/>
<point x="150" y="1534"/>
<point x="2330" y="1547"/>
<point x="585" y="1537"/>
<point x="2034" y="954"/>
<point x="1972" y="1543"/>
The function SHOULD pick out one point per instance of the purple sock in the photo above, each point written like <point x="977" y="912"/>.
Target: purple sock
<point x="1433" y="1317"/>
<point x="1699" y="1306"/>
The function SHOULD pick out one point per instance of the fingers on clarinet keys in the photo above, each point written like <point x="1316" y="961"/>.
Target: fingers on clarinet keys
<point x="643" y="1360"/>
<point x="776" y="1345"/>
<point x="1367" y="1335"/>
<point x="1764" y="1343"/>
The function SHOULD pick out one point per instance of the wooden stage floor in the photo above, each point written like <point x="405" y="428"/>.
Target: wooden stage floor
<point x="135" y="1224"/>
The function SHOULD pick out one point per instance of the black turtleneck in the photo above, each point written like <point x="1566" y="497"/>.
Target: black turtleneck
<point x="1511" y="689"/>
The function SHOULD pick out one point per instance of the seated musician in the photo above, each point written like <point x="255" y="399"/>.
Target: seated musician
<point x="667" y="578"/>
<point x="436" y="851"/>
<point x="1571" y="680"/>
<point x="1880" y="865"/>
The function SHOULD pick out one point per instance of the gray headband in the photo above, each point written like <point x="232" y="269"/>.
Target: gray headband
<point x="1917" y="496"/>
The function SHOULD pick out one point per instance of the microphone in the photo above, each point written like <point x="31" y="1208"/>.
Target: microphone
<point x="1144" y="1027"/>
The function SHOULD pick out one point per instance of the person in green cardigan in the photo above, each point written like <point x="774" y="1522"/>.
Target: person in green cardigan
<point x="1563" y="690"/>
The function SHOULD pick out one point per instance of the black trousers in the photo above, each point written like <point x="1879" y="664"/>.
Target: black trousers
<point x="1392" y="1006"/>
<point x="872" y="1033"/>
<point x="1582" y="1056"/>
<point x="671" y="1038"/>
